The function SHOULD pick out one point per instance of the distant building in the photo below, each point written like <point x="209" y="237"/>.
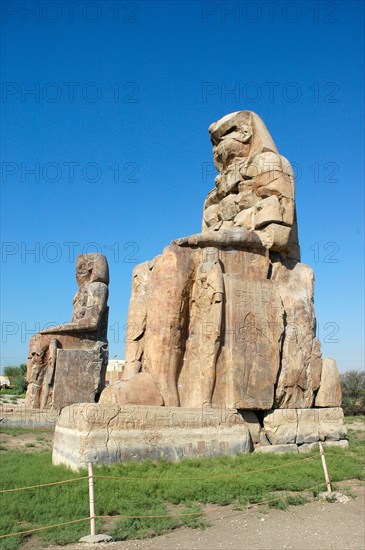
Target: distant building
<point x="4" y="382"/>
<point x="114" y="370"/>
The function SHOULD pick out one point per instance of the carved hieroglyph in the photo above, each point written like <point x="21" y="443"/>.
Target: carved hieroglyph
<point x="226" y="317"/>
<point x="67" y="362"/>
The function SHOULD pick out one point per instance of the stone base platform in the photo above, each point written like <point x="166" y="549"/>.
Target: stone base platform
<point x="105" y="434"/>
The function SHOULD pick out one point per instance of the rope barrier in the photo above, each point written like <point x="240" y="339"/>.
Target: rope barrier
<point x="43" y="528"/>
<point x="42" y="485"/>
<point x="92" y="515"/>
<point x="249" y="505"/>
<point x="282" y="498"/>
<point x="157" y="478"/>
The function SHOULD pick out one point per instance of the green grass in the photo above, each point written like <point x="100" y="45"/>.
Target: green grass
<point x="21" y="431"/>
<point x="41" y="439"/>
<point x="55" y="504"/>
<point x="12" y="392"/>
<point x="352" y="419"/>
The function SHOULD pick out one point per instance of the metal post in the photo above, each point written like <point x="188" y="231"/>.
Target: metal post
<point x="328" y="483"/>
<point x="91" y="499"/>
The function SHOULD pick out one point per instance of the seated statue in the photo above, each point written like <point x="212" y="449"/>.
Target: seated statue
<point x="225" y="317"/>
<point x="67" y="363"/>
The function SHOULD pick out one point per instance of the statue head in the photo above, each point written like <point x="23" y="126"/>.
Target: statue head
<point x="92" y="268"/>
<point x="237" y="136"/>
<point x="37" y="352"/>
<point x="246" y="132"/>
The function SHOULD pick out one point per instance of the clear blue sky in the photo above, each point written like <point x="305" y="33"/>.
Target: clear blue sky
<point x="116" y="134"/>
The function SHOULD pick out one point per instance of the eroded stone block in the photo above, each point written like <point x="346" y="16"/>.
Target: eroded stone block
<point x="278" y="449"/>
<point x="107" y="434"/>
<point x="281" y="426"/>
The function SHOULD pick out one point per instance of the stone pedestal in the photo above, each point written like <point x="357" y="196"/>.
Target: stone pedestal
<point x="303" y="426"/>
<point x="80" y="377"/>
<point x="107" y="434"/>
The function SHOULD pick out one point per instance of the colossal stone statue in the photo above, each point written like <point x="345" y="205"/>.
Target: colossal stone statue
<point x="225" y="317"/>
<point x="67" y="363"/>
<point x="221" y="355"/>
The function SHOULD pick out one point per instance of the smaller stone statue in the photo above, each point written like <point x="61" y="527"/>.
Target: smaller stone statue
<point x="67" y="363"/>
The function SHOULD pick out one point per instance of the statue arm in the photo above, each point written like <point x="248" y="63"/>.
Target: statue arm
<point x="96" y="304"/>
<point x="59" y="329"/>
<point x="84" y="325"/>
<point x="238" y="236"/>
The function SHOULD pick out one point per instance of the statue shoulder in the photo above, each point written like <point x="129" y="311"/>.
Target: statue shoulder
<point x="268" y="162"/>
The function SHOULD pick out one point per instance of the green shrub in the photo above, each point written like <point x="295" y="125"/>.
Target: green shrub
<point x="353" y="392"/>
<point x="17" y="377"/>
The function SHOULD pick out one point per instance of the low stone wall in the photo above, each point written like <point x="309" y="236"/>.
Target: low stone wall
<point x="104" y="434"/>
<point x="21" y="417"/>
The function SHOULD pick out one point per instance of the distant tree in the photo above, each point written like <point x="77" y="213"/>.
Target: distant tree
<point x="16" y="376"/>
<point x="20" y="384"/>
<point x="23" y="368"/>
<point x="11" y="373"/>
<point x="353" y="392"/>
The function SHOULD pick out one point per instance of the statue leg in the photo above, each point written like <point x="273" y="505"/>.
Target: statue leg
<point x="167" y="320"/>
<point x="205" y="328"/>
<point x="49" y="374"/>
